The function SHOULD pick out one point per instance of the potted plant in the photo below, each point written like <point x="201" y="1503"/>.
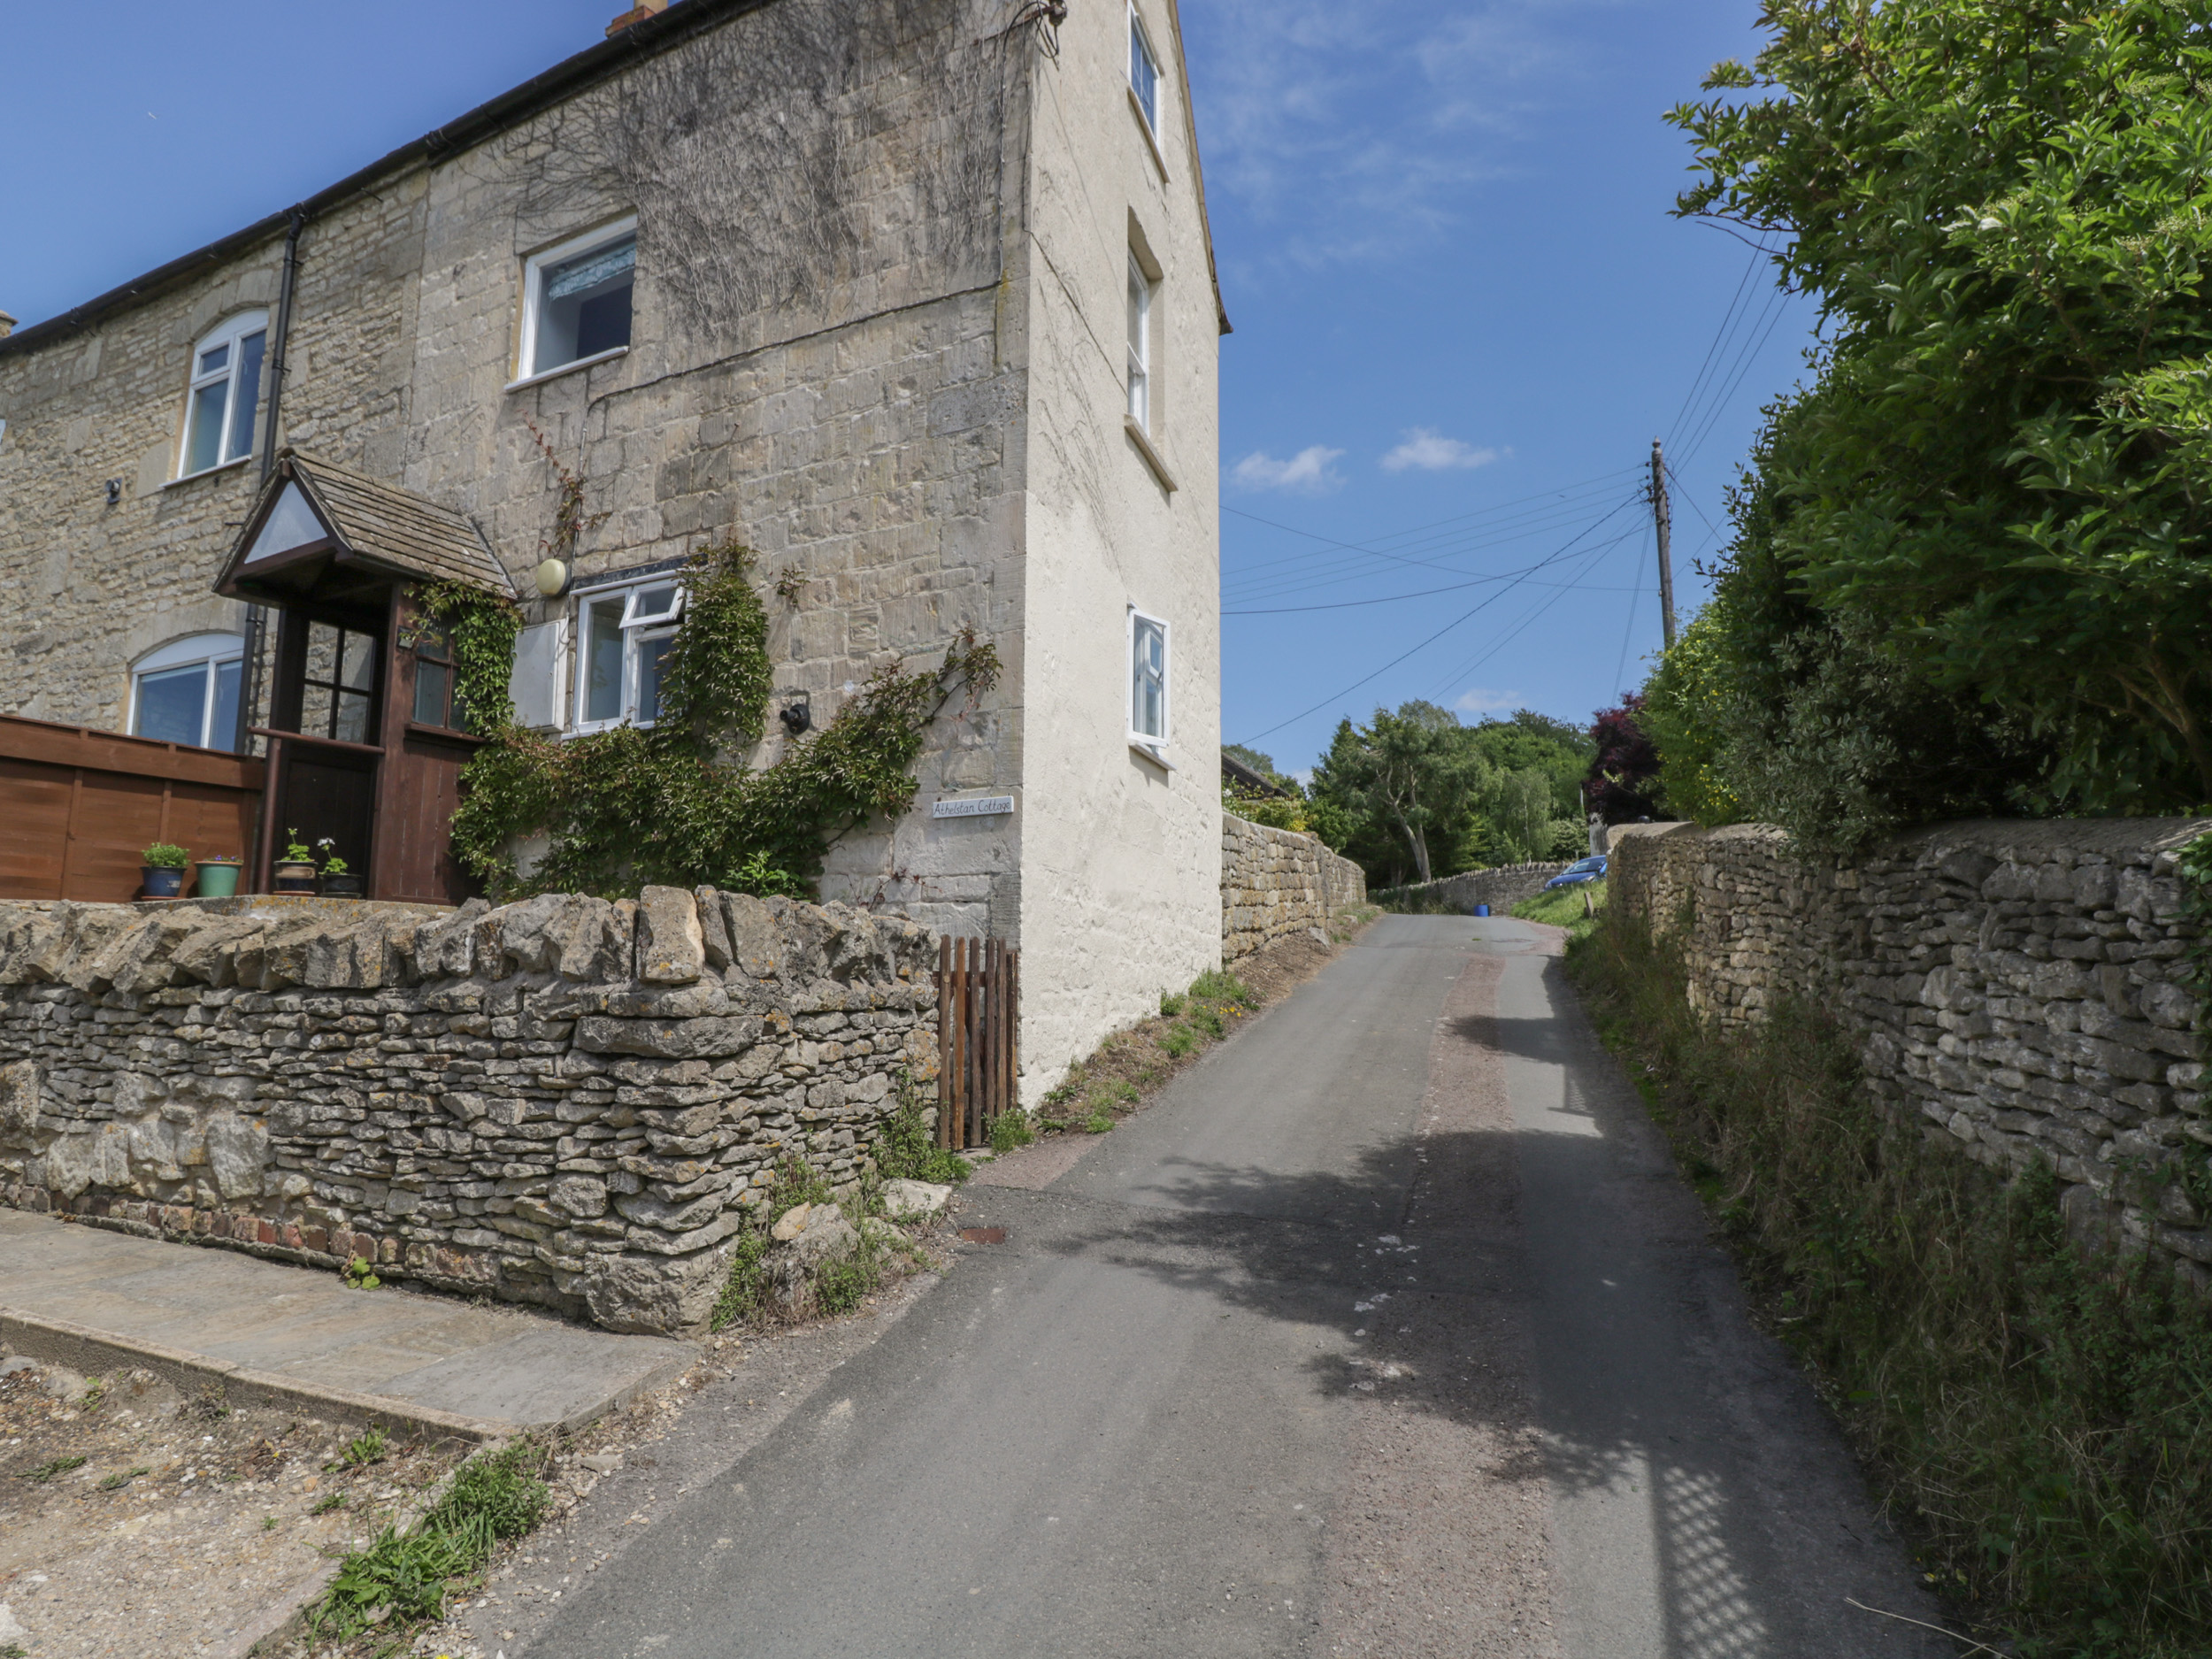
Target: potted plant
<point x="161" y="870"/>
<point x="218" y="878"/>
<point x="295" y="870"/>
<point x="339" y="882"/>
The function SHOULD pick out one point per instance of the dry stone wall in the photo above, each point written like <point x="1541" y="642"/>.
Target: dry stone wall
<point x="2022" y="986"/>
<point x="564" y="1101"/>
<point x="1501" y="888"/>
<point x="1275" y="883"/>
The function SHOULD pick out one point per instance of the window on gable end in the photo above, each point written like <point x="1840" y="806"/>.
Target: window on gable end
<point x="1141" y="294"/>
<point x="1144" y="72"/>
<point x="224" y="393"/>
<point x="576" y="300"/>
<point x="1148" y="681"/>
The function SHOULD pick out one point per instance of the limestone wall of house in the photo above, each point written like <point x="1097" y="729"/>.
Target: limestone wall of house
<point x="2023" y="988"/>
<point x="564" y="1101"/>
<point x="1275" y="883"/>
<point x="88" y="587"/>
<point x="1118" y="847"/>
<point x="1501" y="887"/>
<point x="841" y="390"/>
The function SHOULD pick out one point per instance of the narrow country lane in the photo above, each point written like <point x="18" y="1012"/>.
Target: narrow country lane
<point x="1389" y="1330"/>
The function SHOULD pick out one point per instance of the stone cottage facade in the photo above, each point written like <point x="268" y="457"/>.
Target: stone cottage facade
<point x="916" y="299"/>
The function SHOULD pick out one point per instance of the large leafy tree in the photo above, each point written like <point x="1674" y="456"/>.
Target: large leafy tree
<point x="1999" y="491"/>
<point x="1415" y="794"/>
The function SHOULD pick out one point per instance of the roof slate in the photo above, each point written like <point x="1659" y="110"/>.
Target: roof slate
<point x="394" y="527"/>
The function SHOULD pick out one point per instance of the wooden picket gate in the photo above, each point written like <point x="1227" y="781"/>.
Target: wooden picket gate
<point x="978" y="1006"/>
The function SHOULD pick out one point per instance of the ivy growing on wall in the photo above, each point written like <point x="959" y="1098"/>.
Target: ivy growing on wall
<point x="481" y="629"/>
<point x="668" y="804"/>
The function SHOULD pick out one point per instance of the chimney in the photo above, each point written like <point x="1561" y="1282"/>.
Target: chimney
<point x="637" y="13"/>
<point x="7" y="325"/>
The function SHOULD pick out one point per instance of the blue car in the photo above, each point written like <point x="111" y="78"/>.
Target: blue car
<point x="1575" y="874"/>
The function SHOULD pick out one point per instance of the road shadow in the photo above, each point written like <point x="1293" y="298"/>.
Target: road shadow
<point x="1625" y="1373"/>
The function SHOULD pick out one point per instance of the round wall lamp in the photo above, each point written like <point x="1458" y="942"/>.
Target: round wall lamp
<point x="797" y="714"/>
<point x="553" y="579"/>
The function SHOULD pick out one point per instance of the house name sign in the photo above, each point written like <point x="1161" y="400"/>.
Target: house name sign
<point x="975" y="806"/>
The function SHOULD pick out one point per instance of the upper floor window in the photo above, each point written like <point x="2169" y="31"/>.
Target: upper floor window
<point x="1148" y="681"/>
<point x="224" y="392"/>
<point x="576" y="299"/>
<point x="186" y="692"/>
<point x="1144" y="72"/>
<point x="1139" y="345"/>
<point x="623" y="638"/>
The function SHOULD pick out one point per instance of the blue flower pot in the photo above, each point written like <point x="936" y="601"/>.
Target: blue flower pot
<point x="161" y="881"/>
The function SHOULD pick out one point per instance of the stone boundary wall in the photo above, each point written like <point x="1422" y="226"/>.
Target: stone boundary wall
<point x="564" y="1101"/>
<point x="2022" y="986"/>
<point x="1275" y="883"/>
<point x="1501" y="888"/>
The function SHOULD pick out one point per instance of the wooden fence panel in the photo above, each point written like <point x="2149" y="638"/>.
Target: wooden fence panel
<point x="978" y="1010"/>
<point x="78" y="808"/>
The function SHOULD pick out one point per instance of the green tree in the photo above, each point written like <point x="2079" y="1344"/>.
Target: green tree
<point x="1410" y="775"/>
<point x="1990" y="511"/>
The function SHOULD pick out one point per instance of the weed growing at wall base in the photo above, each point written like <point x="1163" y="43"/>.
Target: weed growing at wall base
<point x="2040" y="1422"/>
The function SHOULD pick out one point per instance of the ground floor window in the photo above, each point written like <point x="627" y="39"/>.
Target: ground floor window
<point x="186" y="692"/>
<point x="622" y="636"/>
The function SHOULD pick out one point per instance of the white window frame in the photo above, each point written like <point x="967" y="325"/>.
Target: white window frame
<point x="1142" y="290"/>
<point x="233" y="332"/>
<point x="1141" y="44"/>
<point x="637" y="630"/>
<point x="209" y="650"/>
<point x="534" y="269"/>
<point x="1152" y="743"/>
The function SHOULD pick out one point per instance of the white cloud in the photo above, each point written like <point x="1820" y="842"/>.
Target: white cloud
<point x="1308" y="471"/>
<point x="1479" y="700"/>
<point x="1431" y="452"/>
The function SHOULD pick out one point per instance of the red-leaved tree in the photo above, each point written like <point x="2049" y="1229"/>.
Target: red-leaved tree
<point x="1623" y="783"/>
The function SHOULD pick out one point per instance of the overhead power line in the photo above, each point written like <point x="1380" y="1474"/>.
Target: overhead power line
<point x="1629" y="501"/>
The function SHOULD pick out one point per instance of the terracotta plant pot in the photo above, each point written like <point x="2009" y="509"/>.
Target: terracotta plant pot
<point x="292" y="877"/>
<point x="161" y="881"/>
<point x="218" y="878"/>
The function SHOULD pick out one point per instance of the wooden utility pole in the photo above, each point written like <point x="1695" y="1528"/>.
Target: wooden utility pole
<point x="1663" y="522"/>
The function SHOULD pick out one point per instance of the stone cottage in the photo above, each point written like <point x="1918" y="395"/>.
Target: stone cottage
<point x="916" y="299"/>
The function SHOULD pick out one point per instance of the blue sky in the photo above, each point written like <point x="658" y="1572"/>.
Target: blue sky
<point x="1462" y="312"/>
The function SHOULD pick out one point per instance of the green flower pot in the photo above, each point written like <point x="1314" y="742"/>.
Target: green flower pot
<point x="218" y="878"/>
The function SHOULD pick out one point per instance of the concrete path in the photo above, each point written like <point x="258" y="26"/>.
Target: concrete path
<point x="92" y="1300"/>
<point x="1388" y="1331"/>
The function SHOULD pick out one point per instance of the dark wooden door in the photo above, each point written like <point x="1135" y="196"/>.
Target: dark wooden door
<point x="328" y="794"/>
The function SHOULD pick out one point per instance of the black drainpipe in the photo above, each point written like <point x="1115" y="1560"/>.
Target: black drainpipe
<point x="258" y="616"/>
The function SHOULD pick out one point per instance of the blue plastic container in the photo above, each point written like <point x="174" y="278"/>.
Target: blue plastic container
<point x="1482" y="910"/>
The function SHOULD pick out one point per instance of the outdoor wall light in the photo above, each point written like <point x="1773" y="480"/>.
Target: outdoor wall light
<point x="115" y="491"/>
<point x="797" y="714"/>
<point x="553" y="579"/>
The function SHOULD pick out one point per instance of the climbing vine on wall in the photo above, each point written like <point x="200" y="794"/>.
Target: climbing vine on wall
<point x="667" y="805"/>
<point x="482" y="629"/>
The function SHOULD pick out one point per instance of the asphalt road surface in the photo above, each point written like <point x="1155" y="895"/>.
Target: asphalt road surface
<point x="1389" y="1330"/>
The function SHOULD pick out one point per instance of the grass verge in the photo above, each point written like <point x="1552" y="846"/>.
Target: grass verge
<point x="1575" y="909"/>
<point x="2039" y="1423"/>
<point x="404" y="1578"/>
<point x="1113" y="1080"/>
